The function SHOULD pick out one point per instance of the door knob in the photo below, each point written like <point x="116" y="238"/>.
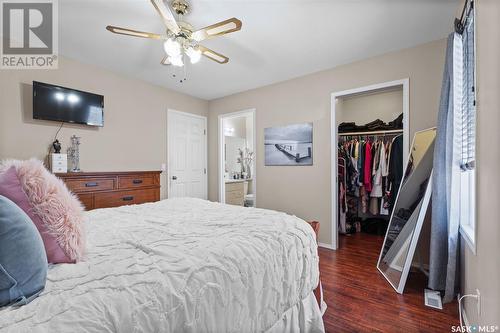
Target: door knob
<point x="174" y="177"/>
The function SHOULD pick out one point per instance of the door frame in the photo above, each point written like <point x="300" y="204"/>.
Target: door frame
<point x="405" y="83"/>
<point x="220" y="146"/>
<point x="171" y="112"/>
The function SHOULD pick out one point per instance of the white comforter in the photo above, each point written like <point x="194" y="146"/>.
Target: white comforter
<point x="178" y="265"/>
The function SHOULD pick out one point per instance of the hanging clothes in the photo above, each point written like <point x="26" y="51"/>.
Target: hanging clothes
<point x="367" y="168"/>
<point x="384" y="169"/>
<point x="385" y="204"/>
<point x="395" y="169"/>
<point x="361" y="163"/>
<point x="342" y="179"/>
<point x="377" y="171"/>
<point x="369" y="176"/>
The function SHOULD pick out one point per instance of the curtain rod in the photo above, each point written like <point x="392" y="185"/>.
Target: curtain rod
<point x="460" y="22"/>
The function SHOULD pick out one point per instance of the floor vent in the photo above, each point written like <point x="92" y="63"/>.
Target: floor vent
<point x="433" y="299"/>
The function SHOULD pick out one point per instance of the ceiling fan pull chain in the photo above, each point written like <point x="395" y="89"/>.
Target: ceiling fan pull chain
<point x="185" y="70"/>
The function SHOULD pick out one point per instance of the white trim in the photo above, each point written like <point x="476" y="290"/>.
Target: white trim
<point x="467" y="205"/>
<point x="405" y="83"/>
<point x="169" y="115"/>
<point x="326" y="246"/>
<point x="220" y="149"/>
<point x="334" y="173"/>
<point x="466" y="232"/>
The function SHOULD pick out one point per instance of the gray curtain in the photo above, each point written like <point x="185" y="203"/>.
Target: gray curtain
<point x="444" y="231"/>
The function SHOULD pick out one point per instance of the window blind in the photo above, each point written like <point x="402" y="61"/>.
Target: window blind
<point x="468" y="112"/>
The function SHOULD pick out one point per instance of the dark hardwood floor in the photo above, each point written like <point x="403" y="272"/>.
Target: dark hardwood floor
<point x="360" y="299"/>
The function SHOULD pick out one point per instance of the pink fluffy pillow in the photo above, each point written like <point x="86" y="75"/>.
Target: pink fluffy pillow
<point x="56" y="212"/>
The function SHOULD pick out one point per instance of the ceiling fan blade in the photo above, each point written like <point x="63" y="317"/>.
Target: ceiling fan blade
<point x="212" y="55"/>
<point x="165" y="61"/>
<point x="166" y="15"/>
<point x="217" y="29"/>
<point x="134" y="33"/>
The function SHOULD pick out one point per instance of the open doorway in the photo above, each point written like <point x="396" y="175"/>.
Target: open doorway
<point x="237" y="176"/>
<point x="372" y="120"/>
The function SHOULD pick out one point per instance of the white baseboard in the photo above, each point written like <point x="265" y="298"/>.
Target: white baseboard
<point x="326" y="246"/>
<point x="417" y="265"/>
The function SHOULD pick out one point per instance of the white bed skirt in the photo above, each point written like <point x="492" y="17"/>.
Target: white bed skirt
<point x="305" y="316"/>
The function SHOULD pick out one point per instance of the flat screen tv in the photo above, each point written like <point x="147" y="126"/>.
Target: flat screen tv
<point x="62" y="104"/>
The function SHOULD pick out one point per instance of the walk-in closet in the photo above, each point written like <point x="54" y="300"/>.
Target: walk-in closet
<point x="371" y="143"/>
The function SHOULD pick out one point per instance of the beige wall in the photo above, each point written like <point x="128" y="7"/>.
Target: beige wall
<point x="134" y="135"/>
<point x="482" y="270"/>
<point x="385" y="105"/>
<point x="305" y="190"/>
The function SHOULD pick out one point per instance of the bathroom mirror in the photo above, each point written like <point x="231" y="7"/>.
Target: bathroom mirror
<point x="231" y="152"/>
<point x="409" y="212"/>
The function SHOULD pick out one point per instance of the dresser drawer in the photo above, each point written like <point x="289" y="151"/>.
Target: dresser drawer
<point x="87" y="200"/>
<point x="136" y="181"/>
<point x="120" y="198"/>
<point x="113" y="189"/>
<point x="90" y="184"/>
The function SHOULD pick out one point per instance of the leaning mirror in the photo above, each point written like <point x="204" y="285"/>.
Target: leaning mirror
<point x="409" y="212"/>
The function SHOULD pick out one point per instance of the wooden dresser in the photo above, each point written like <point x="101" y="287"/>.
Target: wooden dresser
<point x="113" y="189"/>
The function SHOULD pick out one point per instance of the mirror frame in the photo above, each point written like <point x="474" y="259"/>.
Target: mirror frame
<point x="418" y="227"/>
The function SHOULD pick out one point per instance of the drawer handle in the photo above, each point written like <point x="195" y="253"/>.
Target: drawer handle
<point x="137" y="181"/>
<point x="128" y="198"/>
<point x="94" y="184"/>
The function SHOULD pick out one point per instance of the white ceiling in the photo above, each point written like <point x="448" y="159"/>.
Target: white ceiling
<point x="279" y="40"/>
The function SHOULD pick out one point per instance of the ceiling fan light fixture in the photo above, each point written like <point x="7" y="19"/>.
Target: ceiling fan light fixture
<point x="130" y="32"/>
<point x="176" y="60"/>
<point x="215" y="56"/>
<point x="221" y="28"/>
<point x="172" y="47"/>
<point x="180" y="38"/>
<point x="193" y="54"/>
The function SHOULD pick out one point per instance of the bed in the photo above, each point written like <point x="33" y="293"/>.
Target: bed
<point x="182" y="265"/>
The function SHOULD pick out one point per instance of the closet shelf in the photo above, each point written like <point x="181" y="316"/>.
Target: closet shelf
<point x="371" y="132"/>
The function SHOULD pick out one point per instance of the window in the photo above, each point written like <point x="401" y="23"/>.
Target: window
<point x="466" y="120"/>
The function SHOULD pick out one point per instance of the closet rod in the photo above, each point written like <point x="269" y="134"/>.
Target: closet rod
<point x="371" y="132"/>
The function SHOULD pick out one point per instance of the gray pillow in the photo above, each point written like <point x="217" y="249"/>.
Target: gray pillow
<point x="23" y="262"/>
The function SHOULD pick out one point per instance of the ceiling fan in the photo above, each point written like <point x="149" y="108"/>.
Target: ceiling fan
<point x="180" y="38"/>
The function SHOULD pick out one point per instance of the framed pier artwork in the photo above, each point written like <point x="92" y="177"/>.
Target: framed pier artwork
<point x="289" y="145"/>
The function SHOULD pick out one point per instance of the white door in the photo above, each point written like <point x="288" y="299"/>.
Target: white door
<point x="187" y="155"/>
